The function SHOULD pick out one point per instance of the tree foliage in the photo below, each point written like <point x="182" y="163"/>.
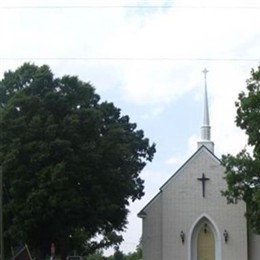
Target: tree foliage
<point x="71" y="162"/>
<point x="242" y="170"/>
<point x="118" y="255"/>
<point x="98" y="255"/>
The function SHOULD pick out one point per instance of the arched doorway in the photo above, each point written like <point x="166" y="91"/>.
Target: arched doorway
<point x="204" y="240"/>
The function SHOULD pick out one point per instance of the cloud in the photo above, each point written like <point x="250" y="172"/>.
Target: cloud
<point x="224" y="92"/>
<point x="175" y="34"/>
<point x="153" y="113"/>
<point x="174" y="160"/>
<point x="171" y="33"/>
<point x="177" y="160"/>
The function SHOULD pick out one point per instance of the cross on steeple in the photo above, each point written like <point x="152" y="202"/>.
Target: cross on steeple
<point x="205" y="71"/>
<point x="203" y="179"/>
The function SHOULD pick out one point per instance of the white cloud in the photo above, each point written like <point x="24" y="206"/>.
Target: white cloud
<point x="174" y="160"/>
<point x="225" y="89"/>
<point x="169" y="33"/>
<point x="178" y="159"/>
<point x="153" y="113"/>
<point x="182" y="33"/>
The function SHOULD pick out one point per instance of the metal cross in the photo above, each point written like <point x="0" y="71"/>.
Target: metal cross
<point x="205" y="71"/>
<point x="203" y="180"/>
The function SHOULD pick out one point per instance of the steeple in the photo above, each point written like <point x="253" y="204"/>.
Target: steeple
<point x="205" y="129"/>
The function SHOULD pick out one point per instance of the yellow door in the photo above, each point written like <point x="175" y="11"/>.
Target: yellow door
<point x="205" y="244"/>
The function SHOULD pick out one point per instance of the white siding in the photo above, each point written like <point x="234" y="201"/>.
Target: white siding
<point x="180" y="205"/>
<point x="152" y="230"/>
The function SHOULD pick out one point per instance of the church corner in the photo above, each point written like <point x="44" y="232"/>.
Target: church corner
<point x="189" y="219"/>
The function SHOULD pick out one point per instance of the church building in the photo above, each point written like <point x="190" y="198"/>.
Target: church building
<point x="189" y="219"/>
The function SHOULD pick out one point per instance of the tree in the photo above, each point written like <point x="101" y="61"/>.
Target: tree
<point x="98" y="255"/>
<point x="118" y="255"/>
<point x="137" y="255"/>
<point x="71" y="162"/>
<point x="242" y="170"/>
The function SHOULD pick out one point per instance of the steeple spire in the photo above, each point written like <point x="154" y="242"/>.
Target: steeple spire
<point x="205" y="129"/>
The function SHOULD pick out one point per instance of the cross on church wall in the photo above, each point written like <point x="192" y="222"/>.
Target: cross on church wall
<point x="203" y="180"/>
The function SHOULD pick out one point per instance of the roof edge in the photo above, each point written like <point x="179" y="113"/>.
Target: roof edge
<point x="202" y="147"/>
<point x="142" y="213"/>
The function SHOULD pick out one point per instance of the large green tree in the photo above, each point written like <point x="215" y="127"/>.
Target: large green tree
<point x="71" y="162"/>
<point x="243" y="170"/>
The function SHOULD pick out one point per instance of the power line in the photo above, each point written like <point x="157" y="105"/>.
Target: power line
<point x="172" y="6"/>
<point x="128" y="59"/>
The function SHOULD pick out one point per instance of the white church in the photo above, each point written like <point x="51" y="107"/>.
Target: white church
<point x="189" y="219"/>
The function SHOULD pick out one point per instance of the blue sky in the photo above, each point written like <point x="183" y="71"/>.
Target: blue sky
<point x="149" y="62"/>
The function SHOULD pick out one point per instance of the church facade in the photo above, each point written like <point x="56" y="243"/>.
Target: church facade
<point x="189" y="219"/>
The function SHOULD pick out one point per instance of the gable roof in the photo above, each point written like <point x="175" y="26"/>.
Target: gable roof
<point x="203" y="148"/>
<point x="200" y="150"/>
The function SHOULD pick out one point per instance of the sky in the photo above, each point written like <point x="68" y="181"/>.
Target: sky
<point x="147" y="57"/>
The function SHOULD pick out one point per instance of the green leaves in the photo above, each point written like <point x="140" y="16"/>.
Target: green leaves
<point x="248" y="111"/>
<point x="70" y="161"/>
<point x="242" y="170"/>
